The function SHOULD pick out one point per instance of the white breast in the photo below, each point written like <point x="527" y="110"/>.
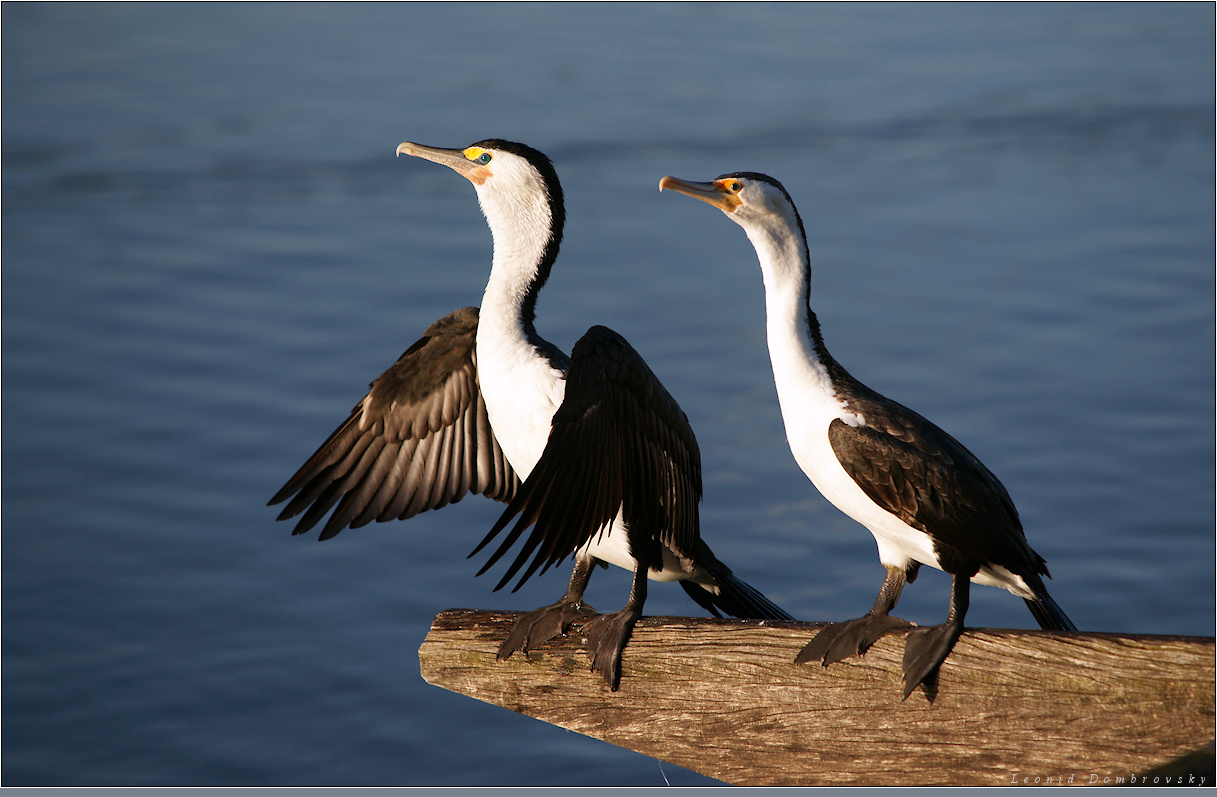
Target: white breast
<point x="522" y="392"/>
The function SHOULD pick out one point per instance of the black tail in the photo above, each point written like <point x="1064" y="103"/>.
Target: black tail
<point x="734" y="597"/>
<point x="1048" y="614"/>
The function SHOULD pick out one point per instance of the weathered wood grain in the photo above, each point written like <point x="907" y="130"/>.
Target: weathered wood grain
<point x="723" y="698"/>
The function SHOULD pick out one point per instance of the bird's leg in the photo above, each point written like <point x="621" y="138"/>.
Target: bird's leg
<point x="837" y="641"/>
<point x="541" y="625"/>
<point x="926" y="648"/>
<point x="607" y="634"/>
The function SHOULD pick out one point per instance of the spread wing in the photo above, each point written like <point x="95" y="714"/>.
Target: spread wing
<point x="619" y="443"/>
<point x="925" y="477"/>
<point x="419" y="440"/>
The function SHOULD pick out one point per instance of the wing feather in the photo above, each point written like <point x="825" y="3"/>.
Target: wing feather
<point x="420" y="439"/>
<point x="925" y="477"/>
<point x="619" y="444"/>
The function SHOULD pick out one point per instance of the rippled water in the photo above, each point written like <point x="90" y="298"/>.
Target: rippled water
<point x="209" y="250"/>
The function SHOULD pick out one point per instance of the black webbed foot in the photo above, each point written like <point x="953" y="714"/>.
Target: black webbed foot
<point x="607" y="635"/>
<point x="543" y="624"/>
<point x="924" y="650"/>
<point x="838" y="641"/>
<point x="927" y="648"/>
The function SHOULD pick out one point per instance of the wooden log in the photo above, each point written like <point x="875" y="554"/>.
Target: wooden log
<point x="724" y="698"/>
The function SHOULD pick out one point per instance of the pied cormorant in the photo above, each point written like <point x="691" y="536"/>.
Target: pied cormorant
<point x="590" y="450"/>
<point x="926" y="498"/>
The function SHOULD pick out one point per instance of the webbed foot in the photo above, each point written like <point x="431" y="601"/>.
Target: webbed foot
<point x="541" y="625"/>
<point x="838" y="641"/>
<point x="924" y="650"/>
<point x="606" y="637"/>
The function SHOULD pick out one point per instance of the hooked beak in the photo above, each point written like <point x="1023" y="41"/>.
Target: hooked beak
<point x="454" y="159"/>
<point x="715" y="193"/>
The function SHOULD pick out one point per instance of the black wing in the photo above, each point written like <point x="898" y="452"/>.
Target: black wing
<point x="919" y="473"/>
<point x="619" y="443"/>
<point x="419" y="440"/>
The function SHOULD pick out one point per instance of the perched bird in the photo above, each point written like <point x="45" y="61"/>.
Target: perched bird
<point x="925" y="498"/>
<point x="590" y="450"/>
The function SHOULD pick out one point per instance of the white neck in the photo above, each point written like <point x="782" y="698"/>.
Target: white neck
<point x="521" y="388"/>
<point x="797" y="368"/>
<point x="520" y="229"/>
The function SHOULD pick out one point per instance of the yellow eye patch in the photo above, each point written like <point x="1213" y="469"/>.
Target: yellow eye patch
<point x="478" y="155"/>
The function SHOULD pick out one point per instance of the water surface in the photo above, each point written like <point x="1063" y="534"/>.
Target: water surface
<point x="209" y="251"/>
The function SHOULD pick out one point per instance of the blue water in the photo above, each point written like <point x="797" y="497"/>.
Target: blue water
<point x="209" y="250"/>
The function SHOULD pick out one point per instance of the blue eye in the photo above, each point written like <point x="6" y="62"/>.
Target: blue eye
<point x="484" y="157"/>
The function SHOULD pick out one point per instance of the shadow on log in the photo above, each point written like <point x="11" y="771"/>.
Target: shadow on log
<point x="724" y="698"/>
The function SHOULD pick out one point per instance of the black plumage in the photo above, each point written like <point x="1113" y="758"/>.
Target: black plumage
<point x="620" y="437"/>
<point x="419" y="440"/>
<point x="619" y="445"/>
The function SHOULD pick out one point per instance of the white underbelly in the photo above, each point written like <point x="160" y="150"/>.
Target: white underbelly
<point x="614" y="547"/>
<point x="899" y="544"/>
<point x="807" y="418"/>
<point x="610" y="545"/>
